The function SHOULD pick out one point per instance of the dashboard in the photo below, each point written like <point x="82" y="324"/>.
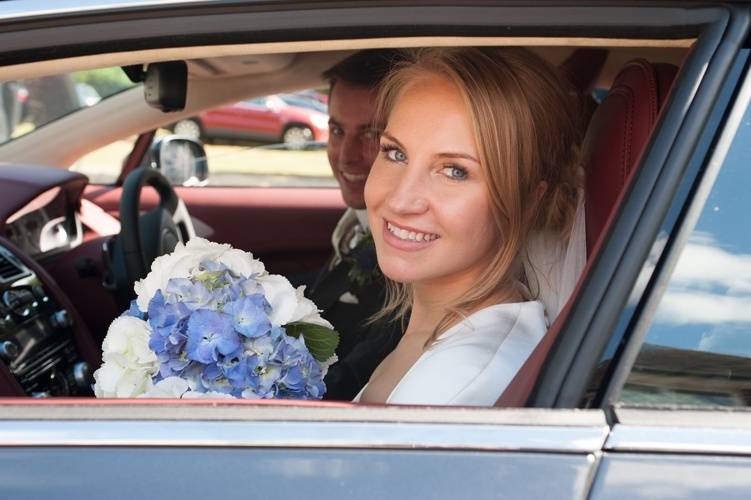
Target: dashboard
<point x="49" y="223"/>
<point x="45" y="350"/>
<point x="36" y="341"/>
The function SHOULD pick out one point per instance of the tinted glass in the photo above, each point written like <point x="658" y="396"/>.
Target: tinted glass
<point x="26" y="105"/>
<point x="277" y="140"/>
<point x="698" y="349"/>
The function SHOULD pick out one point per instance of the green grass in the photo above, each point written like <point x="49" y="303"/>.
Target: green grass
<point x="103" y="165"/>
<point x="240" y="160"/>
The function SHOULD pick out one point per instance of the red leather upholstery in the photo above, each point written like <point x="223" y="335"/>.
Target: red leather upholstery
<point x="616" y="136"/>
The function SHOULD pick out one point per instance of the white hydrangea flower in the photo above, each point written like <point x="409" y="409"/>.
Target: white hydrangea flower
<point x="128" y="363"/>
<point x="207" y="395"/>
<point x="242" y="263"/>
<point x="289" y="304"/>
<point x="327" y="364"/>
<point x="177" y="388"/>
<point x="168" y="388"/>
<point x="282" y="296"/>
<point x="184" y="260"/>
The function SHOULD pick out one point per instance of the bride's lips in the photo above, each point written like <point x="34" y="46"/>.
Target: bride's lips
<point x="406" y="238"/>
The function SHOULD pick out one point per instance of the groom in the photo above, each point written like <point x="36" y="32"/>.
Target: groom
<point x="350" y="288"/>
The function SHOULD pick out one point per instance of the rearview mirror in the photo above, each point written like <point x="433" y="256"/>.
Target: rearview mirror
<point x="181" y="160"/>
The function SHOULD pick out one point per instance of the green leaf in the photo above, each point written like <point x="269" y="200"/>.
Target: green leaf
<point x="320" y="341"/>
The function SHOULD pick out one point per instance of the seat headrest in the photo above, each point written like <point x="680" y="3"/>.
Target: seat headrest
<point x="617" y="134"/>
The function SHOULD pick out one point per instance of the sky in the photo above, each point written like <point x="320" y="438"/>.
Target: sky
<point x="707" y="305"/>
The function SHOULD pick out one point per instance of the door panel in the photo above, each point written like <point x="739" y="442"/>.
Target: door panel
<point x="282" y="450"/>
<point x="646" y="476"/>
<point x="675" y="453"/>
<point x="227" y="472"/>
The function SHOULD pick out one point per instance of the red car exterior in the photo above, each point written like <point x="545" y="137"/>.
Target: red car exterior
<point x="277" y="118"/>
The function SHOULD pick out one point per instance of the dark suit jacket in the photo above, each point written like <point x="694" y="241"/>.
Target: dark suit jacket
<point x="362" y="345"/>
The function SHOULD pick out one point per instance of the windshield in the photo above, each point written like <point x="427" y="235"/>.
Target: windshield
<point x="26" y="105"/>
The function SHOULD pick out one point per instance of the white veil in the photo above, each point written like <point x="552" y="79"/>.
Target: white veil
<point x="553" y="266"/>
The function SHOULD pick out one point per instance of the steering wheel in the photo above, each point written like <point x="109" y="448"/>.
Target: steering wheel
<point x="145" y="237"/>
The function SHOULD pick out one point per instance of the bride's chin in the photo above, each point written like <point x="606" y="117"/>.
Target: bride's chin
<point x="398" y="274"/>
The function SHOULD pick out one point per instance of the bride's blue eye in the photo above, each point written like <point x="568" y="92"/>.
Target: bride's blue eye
<point x="455" y="172"/>
<point x="393" y="153"/>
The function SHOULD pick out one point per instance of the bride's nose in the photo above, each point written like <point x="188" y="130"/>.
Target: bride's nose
<point x="409" y="194"/>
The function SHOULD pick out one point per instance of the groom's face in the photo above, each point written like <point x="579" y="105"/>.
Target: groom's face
<point x="353" y="144"/>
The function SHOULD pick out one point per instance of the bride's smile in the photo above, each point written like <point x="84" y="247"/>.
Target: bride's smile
<point x="406" y="238"/>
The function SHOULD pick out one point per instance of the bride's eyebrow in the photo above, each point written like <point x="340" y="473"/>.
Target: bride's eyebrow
<point x="392" y="139"/>
<point x="458" y="156"/>
<point x="447" y="154"/>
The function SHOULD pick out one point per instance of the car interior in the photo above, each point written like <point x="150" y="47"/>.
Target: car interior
<point x="622" y="86"/>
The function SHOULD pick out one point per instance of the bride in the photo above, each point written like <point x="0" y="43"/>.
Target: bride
<point x="478" y="154"/>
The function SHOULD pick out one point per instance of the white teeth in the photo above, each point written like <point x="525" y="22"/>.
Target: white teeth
<point x="403" y="234"/>
<point x="354" y="177"/>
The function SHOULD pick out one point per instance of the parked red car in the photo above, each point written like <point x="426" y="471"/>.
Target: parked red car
<point x="292" y="119"/>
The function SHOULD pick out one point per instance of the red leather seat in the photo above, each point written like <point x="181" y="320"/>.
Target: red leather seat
<point x="617" y="133"/>
<point x="616" y="136"/>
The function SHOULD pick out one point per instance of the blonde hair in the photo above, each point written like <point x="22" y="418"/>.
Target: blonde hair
<point x="526" y="126"/>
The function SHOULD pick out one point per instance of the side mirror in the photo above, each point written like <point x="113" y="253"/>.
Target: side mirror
<point x="181" y="160"/>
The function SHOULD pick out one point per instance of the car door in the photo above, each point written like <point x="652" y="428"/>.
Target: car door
<point x="129" y="448"/>
<point x="250" y="119"/>
<point x="163" y="450"/>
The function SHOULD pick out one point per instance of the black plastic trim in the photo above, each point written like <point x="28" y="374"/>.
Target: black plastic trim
<point x="601" y="314"/>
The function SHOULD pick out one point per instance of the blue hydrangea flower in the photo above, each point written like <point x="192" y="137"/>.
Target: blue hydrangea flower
<point x="163" y="314"/>
<point x="134" y="311"/>
<point x="210" y="333"/>
<point x="193" y="295"/>
<point x="293" y="381"/>
<point x="268" y="381"/>
<point x="301" y="374"/>
<point x="250" y="314"/>
<point x="239" y="369"/>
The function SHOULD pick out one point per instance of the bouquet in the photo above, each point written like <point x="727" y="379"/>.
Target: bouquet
<point x="209" y="321"/>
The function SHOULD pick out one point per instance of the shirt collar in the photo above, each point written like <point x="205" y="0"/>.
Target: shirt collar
<point x="362" y="218"/>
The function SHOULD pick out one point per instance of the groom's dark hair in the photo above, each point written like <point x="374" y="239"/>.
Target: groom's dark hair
<point x="366" y="68"/>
